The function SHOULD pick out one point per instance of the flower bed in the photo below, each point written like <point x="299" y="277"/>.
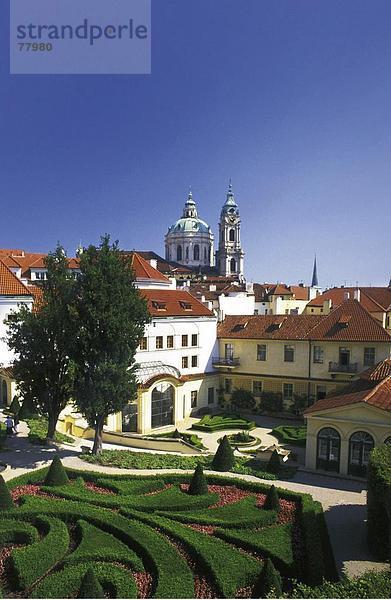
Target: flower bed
<point x="146" y="537"/>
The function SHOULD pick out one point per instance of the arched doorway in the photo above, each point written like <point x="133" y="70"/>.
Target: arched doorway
<point x="179" y="253"/>
<point x="360" y="445"/>
<point x="233" y="265"/>
<point x="328" y="449"/>
<point x="162" y="405"/>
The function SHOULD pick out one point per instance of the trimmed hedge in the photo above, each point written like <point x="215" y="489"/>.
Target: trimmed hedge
<point x="242" y="514"/>
<point x="66" y="583"/>
<point x="379" y="502"/>
<point x="275" y="543"/>
<point x="289" y="434"/>
<point x="6" y="502"/>
<point x="368" y="585"/>
<point x="17" y="532"/>
<point x="97" y="545"/>
<point x="34" y="561"/>
<point x="211" y="423"/>
<point x="228" y="567"/>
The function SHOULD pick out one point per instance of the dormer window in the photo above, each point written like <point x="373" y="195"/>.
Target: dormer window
<point x="343" y="320"/>
<point x="186" y="305"/>
<point x="159" y="305"/>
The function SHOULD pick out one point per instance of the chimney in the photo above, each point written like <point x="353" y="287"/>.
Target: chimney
<point x="250" y="288"/>
<point x="153" y="262"/>
<point x="357" y="295"/>
<point x="327" y="306"/>
<point x="346" y="295"/>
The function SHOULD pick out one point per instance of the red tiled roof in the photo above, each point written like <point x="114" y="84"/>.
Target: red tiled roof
<point x="374" y="299"/>
<point x="378" y="372"/>
<point x="10" y="285"/>
<point x="379" y="396"/>
<point x="262" y="291"/>
<point x="349" y="322"/>
<point x="144" y="270"/>
<point x="174" y="303"/>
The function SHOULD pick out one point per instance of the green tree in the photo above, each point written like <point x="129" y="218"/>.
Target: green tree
<point x="271" y="402"/>
<point x="42" y="340"/>
<point x="198" y="484"/>
<point x="270" y="583"/>
<point x="224" y="458"/>
<point x="56" y="474"/>
<point x="242" y="399"/>
<point x="274" y="464"/>
<point x="299" y="403"/>
<point x="272" y="501"/>
<point x="90" y="586"/>
<point x="15" y="406"/>
<point x="6" y="502"/>
<point x="111" y="316"/>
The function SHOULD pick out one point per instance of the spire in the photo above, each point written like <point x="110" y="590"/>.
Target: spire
<point x="230" y="201"/>
<point x="315" y="282"/>
<point x="190" y="209"/>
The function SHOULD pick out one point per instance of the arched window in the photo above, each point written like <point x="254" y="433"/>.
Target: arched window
<point x="187" y="252"/>
<point x="328" y="449"/>
<point x="205" y="254"/>
<point x="162" y="405"/>
<point x="232" y="235"/>
<point x="196" y="252"/>
<point x="179" y="253"/>
<point x="4" y="394"/>
<point x="360" y="446"/>
<point x="233" y="265"/>
<point x="388" y="440"/>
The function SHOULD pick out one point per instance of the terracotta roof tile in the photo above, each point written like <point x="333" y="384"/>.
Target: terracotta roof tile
<point x="349" y="322"/>
<point x="379" y="396"/>
<point x="174" y="303"/>
<point x="374" y="299"/>
<point x="144" y="270"/>
<point x="378" y="372"/>
<point x="10" y="285"/>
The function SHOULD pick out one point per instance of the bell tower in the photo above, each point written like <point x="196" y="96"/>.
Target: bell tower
<point x="230" y="256"/>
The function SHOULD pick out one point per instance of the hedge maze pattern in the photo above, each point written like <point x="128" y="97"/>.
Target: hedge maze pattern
<point x="148" y="538"/>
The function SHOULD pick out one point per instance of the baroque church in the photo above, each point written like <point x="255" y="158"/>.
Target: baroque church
<point x="190" y="241"/>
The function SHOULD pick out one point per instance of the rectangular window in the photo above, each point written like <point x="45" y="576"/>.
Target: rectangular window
<point x="194" y="339"/>
<point x="228" y="386"/>
<point x="369" y="357"/>
<point x="289" y="354"/>
<point x="257" y="388"/>
<point x="318" y="355"/>
<point x="321" y="392"/>
<point x="144" y="343"/>
<point x="185" y="341"/>
<point x="159" y="342"/>
<point x="185" y="362"/>
<point x="194" y="399"/>
<point x="211" y="395"/>
<point x="229" y="351"/>
<point x="261" y="351"/>
<point x="170" y="341"/>
<point x="287" y="391"/>
<point x="194" y="361"/>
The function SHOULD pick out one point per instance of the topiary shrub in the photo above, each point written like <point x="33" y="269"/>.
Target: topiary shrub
<point x="56" y="474"/>
<point x="15" y="406"/>
<point x="272" y="501"/>
<point x="270" y="583"/>
<point x="274" y="465"/>
<point x="6" y="502"/>
<point x="176" y="434"/>
<point x="90" y="586"/>
<point x="198" y="484"/>
<point x="224" y="458"/>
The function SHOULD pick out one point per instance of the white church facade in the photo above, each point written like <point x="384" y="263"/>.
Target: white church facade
<point x="190" y="241"/>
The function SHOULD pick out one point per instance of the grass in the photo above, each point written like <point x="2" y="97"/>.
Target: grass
<point x="291" y="434"/>
<point x="211" y="423"/>
<point x="38" y="430"/>
<point x="126" y="459"/>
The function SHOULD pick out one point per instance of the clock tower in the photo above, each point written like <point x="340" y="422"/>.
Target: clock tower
<point x="230" y="256"/>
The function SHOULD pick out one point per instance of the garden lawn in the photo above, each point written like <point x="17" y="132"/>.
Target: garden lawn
<point x="38" y="430"/>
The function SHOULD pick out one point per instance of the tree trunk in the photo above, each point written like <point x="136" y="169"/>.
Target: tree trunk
<point x="52" y="422"/>
<point x="97" y="447"/>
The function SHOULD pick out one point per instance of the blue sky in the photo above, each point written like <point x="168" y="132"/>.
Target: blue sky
<point x="290" y="98"/>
